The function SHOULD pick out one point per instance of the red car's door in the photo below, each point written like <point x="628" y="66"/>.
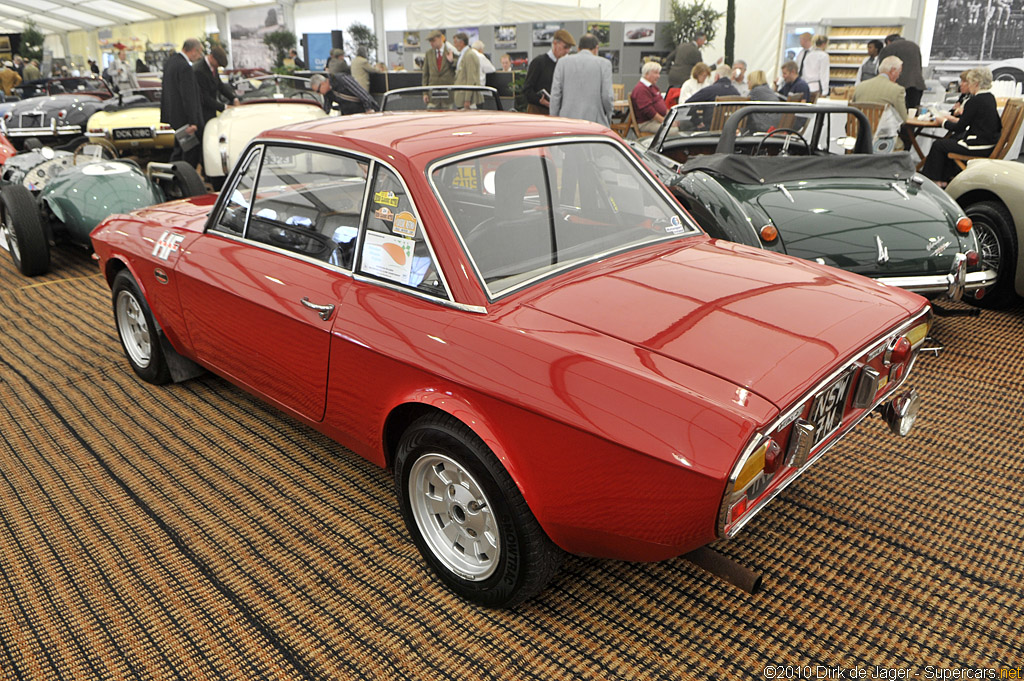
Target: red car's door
<point x="244" y="309"/>
<point x="260" y="290"/>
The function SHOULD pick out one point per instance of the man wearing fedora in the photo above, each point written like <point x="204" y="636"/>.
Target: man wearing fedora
<point x="541" y="73"/>
<point x="438" y="63"/>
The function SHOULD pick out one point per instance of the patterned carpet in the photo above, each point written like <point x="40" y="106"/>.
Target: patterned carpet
<point x="192" y="532"/>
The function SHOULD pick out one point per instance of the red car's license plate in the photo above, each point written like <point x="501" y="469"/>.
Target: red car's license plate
<point x="133" y="133"/>
<point x="827" y="410"/>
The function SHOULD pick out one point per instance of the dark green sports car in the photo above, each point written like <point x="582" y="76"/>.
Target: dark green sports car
<point x="789" y="178"/>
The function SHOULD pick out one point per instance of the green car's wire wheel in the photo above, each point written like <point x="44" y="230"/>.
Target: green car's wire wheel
<point x="23" y="229"/>
<point x="997" y="247"/>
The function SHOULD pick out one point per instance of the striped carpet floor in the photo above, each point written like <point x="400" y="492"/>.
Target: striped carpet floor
<point x="192" y="532"/>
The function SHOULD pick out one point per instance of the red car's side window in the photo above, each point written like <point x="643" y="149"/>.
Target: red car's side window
<point x="235" y="212"/>
<point x="303" y="201"/>
<point x="394" y="247"/>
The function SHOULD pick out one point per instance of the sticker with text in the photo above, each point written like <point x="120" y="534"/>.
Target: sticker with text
<point x="384" y="213"/>
<point x="386" y="198"/>
<point x="405" y="224"/>
<point x="388" y="256"/>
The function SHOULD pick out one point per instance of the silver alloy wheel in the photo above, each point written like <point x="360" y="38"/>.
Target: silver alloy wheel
<point x="8" y="231"/>
<point x="131" y="324"/>
<point x="454" y="517"/>
<point x="989" y="250"/>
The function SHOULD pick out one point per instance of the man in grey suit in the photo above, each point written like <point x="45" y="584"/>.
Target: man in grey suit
<point x="582" y="85"/>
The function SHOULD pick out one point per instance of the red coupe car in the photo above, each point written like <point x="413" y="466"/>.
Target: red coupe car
<point x="517" y="318"/>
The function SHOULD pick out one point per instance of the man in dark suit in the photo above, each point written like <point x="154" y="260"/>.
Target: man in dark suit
<point x="911" y="78"/>
<point x="180" y="102"/>
<point x="681" y="62"/>
<point x="210" y="85"/>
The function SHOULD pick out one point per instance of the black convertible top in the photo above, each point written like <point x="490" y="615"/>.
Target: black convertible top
<point x="765" y="169"/>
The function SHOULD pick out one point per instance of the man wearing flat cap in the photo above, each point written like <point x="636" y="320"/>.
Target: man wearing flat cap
<point x="541" y="72"/>
<point x="438" y="63"/>
<point x="214" y="93"/>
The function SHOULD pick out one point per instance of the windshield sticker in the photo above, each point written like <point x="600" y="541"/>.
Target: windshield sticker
<point x="388" y="257"/>
<point x="405" y="224"/>
<point x="384" y="213"/>
<point x="167" y="244"/>
<point x="465" y="178"/>
<point x="675" y="225"/>
<point x="386" y="198"/>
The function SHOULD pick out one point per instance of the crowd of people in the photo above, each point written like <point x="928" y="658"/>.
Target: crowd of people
<point x="579" y="85"/>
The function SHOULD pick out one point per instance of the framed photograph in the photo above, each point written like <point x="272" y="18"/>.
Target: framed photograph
<point x="638" y="33"/>
<point x="505" y="36"/>
<point x="543" y="33"/>
<point x="613" y="57"/>
<point x="472" y="32"/>
<point x="650" y="56"/>
<point x="411" y="39"/>
<point x="602" y="30"/>
<point x="520" y="60"/>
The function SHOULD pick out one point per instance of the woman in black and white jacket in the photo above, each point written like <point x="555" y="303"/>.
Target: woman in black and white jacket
<point x="974" y="133"/>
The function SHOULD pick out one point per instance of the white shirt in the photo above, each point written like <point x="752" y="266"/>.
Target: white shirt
<point x="690" y="87"/>
<point x="485" y="67"/>
<point x="816" y="71"/>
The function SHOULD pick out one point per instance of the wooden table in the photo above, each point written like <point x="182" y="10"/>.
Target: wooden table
<point x="914" y="126"/>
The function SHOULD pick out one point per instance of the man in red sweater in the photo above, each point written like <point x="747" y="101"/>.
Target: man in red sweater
<point x="648" y="104"/>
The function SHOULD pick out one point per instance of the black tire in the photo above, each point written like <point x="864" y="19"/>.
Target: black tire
<point x="518" y="562"/>
<point x="997" y="246"/>
<point x="187" y="181"/>
<point x="137" y="331"/>
<point x="23" y="228"/>
<point x="1008" y="73"/>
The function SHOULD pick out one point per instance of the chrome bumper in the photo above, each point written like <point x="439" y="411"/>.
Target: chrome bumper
<point x="953" y="284"/>
<point x="50" y="130"/>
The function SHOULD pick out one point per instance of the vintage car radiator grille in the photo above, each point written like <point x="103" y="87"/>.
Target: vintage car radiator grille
<point x="32" y="120"/>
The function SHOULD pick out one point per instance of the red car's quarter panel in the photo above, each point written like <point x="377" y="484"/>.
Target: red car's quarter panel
<point x="704" y="303"/>
<point x="583" y="422"/>
<point x="242" y="306"/>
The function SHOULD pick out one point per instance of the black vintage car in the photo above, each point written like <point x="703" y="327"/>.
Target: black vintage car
<point x="56" y="110"/>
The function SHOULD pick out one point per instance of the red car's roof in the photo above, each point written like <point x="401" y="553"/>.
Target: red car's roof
<point x="424" y="136"/>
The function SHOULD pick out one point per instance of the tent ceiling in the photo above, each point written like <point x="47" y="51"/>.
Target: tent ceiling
<point x="60" y="16"/>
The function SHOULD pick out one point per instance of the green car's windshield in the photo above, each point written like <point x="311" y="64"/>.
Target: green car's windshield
<point x="524" y="213"/>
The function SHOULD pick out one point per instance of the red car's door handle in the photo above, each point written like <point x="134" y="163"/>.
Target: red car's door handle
<point x="325" y="311"/>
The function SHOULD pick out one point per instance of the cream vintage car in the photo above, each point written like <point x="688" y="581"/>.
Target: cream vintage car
<point x="990" y="192"/>
<point x="136" y="129"/>
<point x="265" y="103"/>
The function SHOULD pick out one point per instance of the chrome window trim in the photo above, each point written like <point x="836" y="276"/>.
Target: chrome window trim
<point x="213" y="220"/>
<point x="257" y="145"/>
<point x="793" y="412"/>
<point x="550" y="142"/>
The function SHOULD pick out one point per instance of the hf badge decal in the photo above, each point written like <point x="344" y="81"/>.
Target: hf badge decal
<point x="167" y="244"/>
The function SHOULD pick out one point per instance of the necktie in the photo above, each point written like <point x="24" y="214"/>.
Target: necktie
<point x="803" y="56"/>
<point x="439" y="60"/>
